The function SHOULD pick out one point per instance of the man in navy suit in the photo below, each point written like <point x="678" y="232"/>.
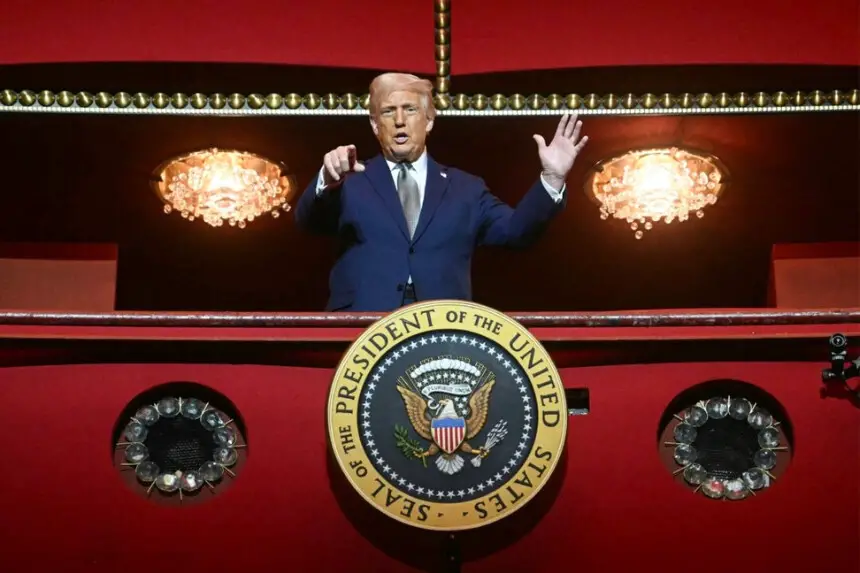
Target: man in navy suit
<point x="408" y="226"/>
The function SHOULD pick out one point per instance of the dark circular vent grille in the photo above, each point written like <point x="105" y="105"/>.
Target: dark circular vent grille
<point x="178" y="441"/>
<point x="726" y="447"/>
<point x="179" y="444"/>
<point x="725" y="439"/>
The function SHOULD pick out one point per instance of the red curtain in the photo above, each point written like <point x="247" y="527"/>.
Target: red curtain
<point x="501" y="35"/>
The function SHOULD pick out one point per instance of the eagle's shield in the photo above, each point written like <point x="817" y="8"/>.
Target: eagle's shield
<point x="448" y="433"/>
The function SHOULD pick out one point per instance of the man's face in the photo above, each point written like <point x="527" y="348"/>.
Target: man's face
<point x="401" y="126"/>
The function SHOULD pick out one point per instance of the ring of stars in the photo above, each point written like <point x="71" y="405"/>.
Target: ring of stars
<point x="502" y="359"/>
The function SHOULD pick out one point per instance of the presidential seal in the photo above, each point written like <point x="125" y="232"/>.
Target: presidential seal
<point x="447" y="415"/>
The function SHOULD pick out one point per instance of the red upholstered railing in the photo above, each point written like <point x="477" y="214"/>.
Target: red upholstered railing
<point x="343" y="328"/>
<point x="614" y="319"/>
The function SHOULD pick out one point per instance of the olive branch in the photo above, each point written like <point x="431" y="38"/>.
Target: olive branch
<point x="409" y="448"/>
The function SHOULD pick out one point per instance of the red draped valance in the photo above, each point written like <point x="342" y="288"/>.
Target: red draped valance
<point x="396" y="34"/>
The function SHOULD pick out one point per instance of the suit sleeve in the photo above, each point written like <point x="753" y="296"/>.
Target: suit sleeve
<point x="318" y="209"/>
<point x="505" y="226"/>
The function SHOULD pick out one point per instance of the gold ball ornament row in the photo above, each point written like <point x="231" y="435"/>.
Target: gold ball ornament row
<point x="650" y="101"/>
<point x="179" y="101"/>
<point x="460" y="104"/>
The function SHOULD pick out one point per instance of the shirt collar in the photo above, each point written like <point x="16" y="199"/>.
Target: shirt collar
<point x="419" y="165"/>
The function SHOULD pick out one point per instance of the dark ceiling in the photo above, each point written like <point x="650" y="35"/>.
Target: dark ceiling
<point x="83" y="178"/>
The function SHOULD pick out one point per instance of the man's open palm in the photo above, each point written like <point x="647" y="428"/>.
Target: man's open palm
<point x="557" y="158"/>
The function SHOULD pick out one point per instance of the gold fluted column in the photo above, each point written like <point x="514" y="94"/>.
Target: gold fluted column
<point x="442" y="44"/>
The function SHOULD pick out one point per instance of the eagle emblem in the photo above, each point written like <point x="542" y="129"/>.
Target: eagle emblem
<point x="447" y="415"/>
<point x="442" y="422"/>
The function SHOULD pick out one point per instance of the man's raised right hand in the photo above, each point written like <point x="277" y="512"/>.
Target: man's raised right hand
<point x="338" y="162"/>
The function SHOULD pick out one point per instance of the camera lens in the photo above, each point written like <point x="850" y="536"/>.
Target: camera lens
<point x="838" y="341"/>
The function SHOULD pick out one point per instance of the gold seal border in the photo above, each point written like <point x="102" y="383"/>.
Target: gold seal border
<point x="547" y="439"/>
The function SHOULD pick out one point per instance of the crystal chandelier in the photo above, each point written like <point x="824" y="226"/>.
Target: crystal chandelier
<point x="221" y="186"/>
<point x="645" y="186"/>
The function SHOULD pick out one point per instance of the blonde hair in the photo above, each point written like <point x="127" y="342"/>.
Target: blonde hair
<point x="385" y="84"/>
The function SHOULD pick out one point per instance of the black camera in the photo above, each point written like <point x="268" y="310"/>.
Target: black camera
<point x="838" y="353"/>
<point x="841" y="369"/>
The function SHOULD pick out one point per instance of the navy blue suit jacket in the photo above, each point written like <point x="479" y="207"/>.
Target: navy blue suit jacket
<point x="376" y="255"/>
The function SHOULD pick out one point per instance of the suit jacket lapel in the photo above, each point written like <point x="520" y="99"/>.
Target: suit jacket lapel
<point x="383" y="183"/>
<point x="434" y="190"/>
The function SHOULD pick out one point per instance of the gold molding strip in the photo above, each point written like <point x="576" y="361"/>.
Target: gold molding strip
<point x="651" y="104"/>
<point x="477" y="105"/>
<point x="442" y="28"/>
<point x="235" y="104"/>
